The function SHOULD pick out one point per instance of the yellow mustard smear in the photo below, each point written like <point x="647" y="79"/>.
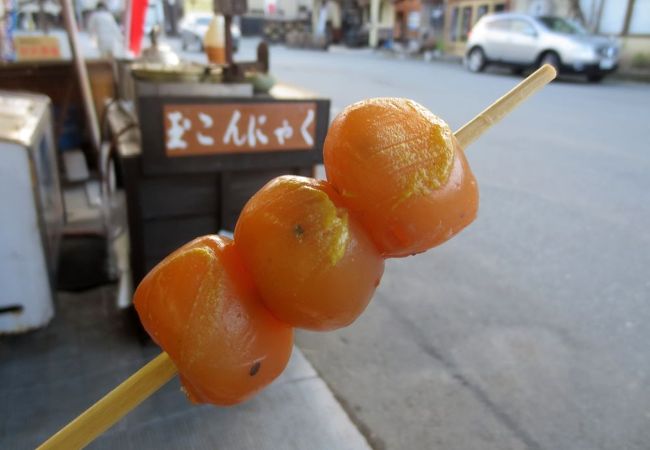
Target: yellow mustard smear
<point x="334" y="234"/>
<point x="431" y="157"/>
<point x="337" y="225"/>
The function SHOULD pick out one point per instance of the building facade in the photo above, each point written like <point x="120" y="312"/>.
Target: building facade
<point x="628" y="21"/>
<point x="385" y="19"/>
<point x="289" y="9"/>
<point x="460" y="17"/>
<point x="407" y="20"/>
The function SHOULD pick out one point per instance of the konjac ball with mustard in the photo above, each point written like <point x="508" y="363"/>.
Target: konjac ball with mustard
<point x="313" y="263"/>
<point x="201" y="306"/>
<point x="401" y="172"/>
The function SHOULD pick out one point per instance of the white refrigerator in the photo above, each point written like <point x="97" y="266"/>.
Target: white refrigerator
<point x="31" y="212"/>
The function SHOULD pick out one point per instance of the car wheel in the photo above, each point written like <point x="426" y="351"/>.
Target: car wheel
<point x="551" y="58"/>
<point x="517" y="71"/>
<point x="476" y="60"/>
<point x="184" y="44"/>
<point x="595" y="78"/>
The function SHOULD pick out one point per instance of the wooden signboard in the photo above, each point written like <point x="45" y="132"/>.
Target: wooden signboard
<point x="202" y="135"/>
<point x="37" y="48"/>
<point x="230" y="7"/>
<point x="196" y="129"/>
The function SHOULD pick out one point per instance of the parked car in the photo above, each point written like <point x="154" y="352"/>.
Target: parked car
<point x="521" y="42"/>
<point x="194" y="26"/>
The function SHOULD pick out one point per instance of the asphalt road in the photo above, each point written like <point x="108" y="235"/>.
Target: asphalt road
<point x="529" y="330"/>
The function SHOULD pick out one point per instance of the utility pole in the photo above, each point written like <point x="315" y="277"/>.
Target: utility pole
<point x="373" y="38"/>
<point x="82" y="74"/>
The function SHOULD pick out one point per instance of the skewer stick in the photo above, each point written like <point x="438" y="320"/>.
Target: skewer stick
<point x="113" y="406"/>
<point x="117" y="403"/>
<point x="473" y="129"/>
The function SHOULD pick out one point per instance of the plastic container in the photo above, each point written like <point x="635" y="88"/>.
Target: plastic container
<point x="214" y="40"/>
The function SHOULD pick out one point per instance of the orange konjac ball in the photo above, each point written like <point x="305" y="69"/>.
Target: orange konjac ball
<point x="314" y="264"/>
<point x="401" y="172"/>
<point x="200" y="305"/>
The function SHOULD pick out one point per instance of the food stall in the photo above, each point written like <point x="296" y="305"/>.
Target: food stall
<point x="194" y="142"/>
<point x="185" y="144"/>
<point x="195" y="152"/>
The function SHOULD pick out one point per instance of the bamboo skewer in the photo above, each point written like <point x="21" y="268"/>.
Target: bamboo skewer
<point x="473" y="129"/>
<point x="134" y="390"/>
<point x="113" y="406"/>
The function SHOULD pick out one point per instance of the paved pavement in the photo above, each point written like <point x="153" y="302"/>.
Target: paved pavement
<point x="49" y="376"/>
<point x="530" y="329"/>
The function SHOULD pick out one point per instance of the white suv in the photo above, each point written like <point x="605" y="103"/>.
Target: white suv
<point x="522" y="42"/>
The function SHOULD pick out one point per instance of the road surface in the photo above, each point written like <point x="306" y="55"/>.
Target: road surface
<point x="530" y="329"/>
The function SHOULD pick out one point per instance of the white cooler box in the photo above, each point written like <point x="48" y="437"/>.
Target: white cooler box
<point x="31" y="208"/>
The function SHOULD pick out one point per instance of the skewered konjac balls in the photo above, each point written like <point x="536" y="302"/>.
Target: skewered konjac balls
<point x="402" y="173"/>
<point x="308" y="253"/>
<point x="201" y="306"/>
<point x="313" y="263"/>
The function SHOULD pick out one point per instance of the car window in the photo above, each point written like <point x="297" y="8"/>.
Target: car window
<point x="522" y="27"/>
<point x="561" y="25"/>
<point x="203" y="21"/>
<point x="498" y="25"/>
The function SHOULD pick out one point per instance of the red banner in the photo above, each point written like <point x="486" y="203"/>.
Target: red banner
<point x="138" y="11"/>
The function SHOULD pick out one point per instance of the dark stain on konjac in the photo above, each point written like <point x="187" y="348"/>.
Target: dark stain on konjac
<point x="255" y="368"/>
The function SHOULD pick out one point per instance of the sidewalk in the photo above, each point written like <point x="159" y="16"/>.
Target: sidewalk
<point x="49" y="376"/>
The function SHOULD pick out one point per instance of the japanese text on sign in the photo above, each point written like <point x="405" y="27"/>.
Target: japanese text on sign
<point x="37" y="48"/>
<point x="235" y="128"/>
